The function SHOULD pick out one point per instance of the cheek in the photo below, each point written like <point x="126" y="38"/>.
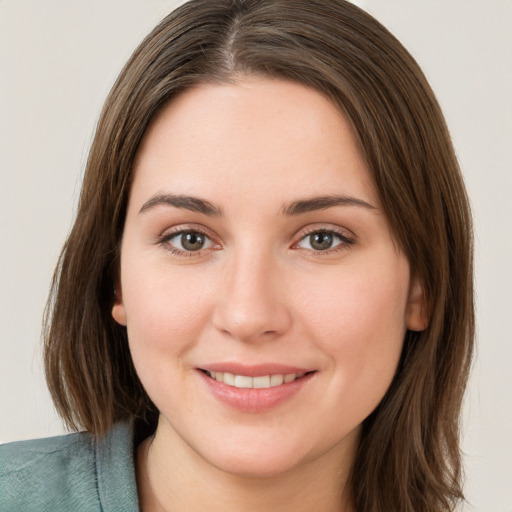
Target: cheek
<point x="360" y="325"/>
<point x="165" y="311"/>
<point x="166" y="315"/>
<point x="364" y="308"/>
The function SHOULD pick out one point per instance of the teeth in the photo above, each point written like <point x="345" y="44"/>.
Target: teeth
<point x="229" y="379"/>
<point x="241" y="381"/>
<point x="261" y="382"/>
<point x="276" y="380"/>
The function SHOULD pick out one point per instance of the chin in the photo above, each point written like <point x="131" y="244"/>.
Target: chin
<point x="260" y="456"/>
<point x="256" y="465"/>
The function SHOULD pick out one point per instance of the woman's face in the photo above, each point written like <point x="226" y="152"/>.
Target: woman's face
<point x="256" y="253"/>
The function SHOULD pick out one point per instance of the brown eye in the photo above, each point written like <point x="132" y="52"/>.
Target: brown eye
<point x="323" y="241"/>
<point x="189" y="241"/>
<point x="192" y="241"/>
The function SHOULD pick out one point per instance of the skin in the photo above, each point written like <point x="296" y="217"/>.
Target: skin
<point x="258" y="292"/>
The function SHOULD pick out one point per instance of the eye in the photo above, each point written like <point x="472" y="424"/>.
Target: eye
<point x="323" y="240"/>
<point x="188" y="241"/>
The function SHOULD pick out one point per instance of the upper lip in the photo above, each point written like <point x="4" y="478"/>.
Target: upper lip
<point x="254" y="370"/>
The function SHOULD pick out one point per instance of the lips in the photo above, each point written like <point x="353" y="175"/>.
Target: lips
<point x="254" y="388"/>
<point x="258" y="382"/>
<point x="254" y="370"/>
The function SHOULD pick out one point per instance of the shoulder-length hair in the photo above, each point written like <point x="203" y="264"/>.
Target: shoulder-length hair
<point x="408" y="457"/>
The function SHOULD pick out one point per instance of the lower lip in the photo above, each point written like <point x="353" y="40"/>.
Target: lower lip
<point x="254" y="399"/>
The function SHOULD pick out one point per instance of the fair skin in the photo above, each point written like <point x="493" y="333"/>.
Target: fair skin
<point x="228" y="266"/>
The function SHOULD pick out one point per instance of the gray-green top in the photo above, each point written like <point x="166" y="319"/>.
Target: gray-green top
<point x="75" y="472"/>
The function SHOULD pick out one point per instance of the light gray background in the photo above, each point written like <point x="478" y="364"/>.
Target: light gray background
<point x="58" y="59"/>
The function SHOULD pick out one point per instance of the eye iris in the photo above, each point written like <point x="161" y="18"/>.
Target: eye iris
<point x="192" y="241"/>
<point x="321" y="241"/>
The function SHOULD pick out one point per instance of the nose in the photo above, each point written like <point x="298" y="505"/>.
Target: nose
<point x="252" y="303"/>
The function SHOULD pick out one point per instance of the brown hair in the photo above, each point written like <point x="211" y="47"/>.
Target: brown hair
<point x="408" y="457"/>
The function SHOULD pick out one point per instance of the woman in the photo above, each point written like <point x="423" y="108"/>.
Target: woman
<point x="266" y="298"/>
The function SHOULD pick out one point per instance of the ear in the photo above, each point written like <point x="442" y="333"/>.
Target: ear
<point x="417" y="314"/>
<point x="118" y="311"/>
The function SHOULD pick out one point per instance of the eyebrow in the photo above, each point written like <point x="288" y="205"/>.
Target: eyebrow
<point x="194" y="204"/>
<point x="322" y="203"/>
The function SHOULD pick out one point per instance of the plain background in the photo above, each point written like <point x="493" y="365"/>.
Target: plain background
<point x="59" y="58"/>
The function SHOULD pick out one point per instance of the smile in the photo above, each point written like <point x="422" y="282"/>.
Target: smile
<point x="259" y="382"/>
<point x="254" y="388"/>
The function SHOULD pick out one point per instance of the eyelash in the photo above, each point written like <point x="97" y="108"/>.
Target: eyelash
<point x="345" y="241"/>
<point x="165" y="239"/>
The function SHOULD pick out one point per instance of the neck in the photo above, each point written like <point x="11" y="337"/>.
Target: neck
<point x="171" y="476"/>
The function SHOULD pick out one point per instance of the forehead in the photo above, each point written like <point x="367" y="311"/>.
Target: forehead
<point x="256" y="138"/>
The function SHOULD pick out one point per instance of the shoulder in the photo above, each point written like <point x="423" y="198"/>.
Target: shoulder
<point x="71" y="472"/>
<point x="29" y="456"/>
<point x="48" y="472"/>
